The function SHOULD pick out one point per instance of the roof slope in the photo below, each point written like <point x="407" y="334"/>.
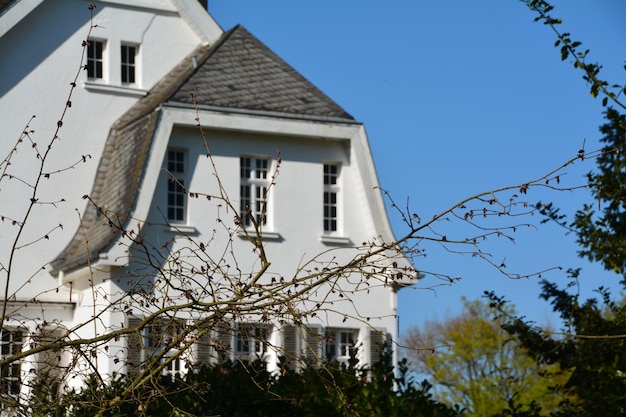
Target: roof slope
<point x="243" y="73"/>
<point x="237" y="72"/>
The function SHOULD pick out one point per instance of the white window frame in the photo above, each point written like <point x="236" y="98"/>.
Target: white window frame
<point x="251" y="340"/>
<point x="10" y="377"/>
<point x="176" y="197"/>
<point x="129" y="68"/>
<point x="93" y="60"/>
<point x="157" y="337"/>
<point x="331" y="197"/>
<point x="255" y="173"/>
<point x="340" y="344"/>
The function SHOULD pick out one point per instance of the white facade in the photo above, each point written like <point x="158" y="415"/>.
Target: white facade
<point x="42" y="40"/>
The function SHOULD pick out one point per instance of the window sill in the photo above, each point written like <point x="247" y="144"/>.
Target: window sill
<point x="181" y="230"/>
<point x="114" y="89"/>
<point x="335" y="240"/>
<point x="271" y="236"/>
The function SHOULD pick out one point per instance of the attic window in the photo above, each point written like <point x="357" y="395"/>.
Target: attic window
<point x="128" y="60"/>
<point x="94" y="60"/>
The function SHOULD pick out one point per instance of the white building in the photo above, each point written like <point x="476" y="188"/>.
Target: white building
<point x="151" y="223"/>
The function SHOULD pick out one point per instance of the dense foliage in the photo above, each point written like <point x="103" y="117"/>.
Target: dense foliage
<point x="232" y="389"/>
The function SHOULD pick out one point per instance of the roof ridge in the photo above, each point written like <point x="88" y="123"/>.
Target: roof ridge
<point x="242" y="72"/>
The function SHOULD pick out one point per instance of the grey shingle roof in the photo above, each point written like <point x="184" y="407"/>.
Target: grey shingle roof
<point x="237" y="72"/>
<point x="120" y="169"/>
<point x="243" y="73"/>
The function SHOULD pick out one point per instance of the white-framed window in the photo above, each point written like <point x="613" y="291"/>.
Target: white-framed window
<point x="11" y="341"/>
<point x="255" y="182"/>
<point x="162" y="340"/>
<point x="95" y="61"/>
<point x="340" y="344"/>
<point x="331" y="194"/>
<point x="176" y="165"/>
<point x="129" y="63"/>
<point x="251" y="339"/>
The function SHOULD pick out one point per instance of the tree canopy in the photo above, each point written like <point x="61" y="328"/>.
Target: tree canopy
<point x="473" y="362"/>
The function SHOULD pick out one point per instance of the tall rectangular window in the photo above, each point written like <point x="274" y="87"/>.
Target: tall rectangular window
<point x="94" y="59"/>
<point x="255" y="182"/>
<point x="176" y="186"/>
<point x="128" y="63"/>
<point x="331" y="191"/>
<point x="10" y="345"/>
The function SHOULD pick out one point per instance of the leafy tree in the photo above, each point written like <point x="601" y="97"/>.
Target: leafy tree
<point x="475" y="363"/>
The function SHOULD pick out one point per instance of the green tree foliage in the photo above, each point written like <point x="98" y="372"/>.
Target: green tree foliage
<point x="475" y="363"/>
<point x="593" y="349"/>
<point x="602" y="234"/>
<point x="247" y="389"/>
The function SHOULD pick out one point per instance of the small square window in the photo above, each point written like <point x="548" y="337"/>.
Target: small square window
<point x="94" y="60"/>
<point x="251" y="339"/>
<point x="340" y="344"/>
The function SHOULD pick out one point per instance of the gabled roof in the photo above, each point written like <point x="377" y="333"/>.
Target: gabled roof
<point x="243" y="73"/>
<point x="237" y="72"/>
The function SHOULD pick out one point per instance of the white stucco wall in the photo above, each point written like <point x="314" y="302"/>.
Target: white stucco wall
<point x="41" y="56"/>
<point x="295" y="243"/>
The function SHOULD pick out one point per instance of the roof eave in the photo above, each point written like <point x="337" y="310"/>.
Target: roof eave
<point x="13" y="13"/>
<point x="199" y="19"/>
<point x="265" y="113"/>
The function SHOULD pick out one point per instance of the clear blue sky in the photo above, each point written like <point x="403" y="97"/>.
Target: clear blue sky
<point x="457" y="97"/>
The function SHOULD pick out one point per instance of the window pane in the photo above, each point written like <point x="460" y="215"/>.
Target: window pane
<point x="11" y="341"/>
<point x="176" y="193"/>
<point x="253" y="189"/>
<point x="331" y="190"/>
<point x="128" y="64"/>
<point x="94" y="59"/>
